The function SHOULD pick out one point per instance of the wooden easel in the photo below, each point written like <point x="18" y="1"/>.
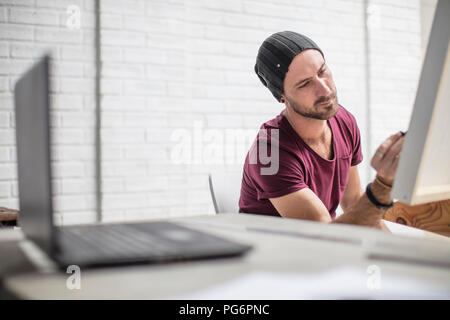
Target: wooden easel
<point x="433" y="216"/>
<point x="8" y="217"/>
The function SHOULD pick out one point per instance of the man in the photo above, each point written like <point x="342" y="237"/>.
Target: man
<point x="315" y="143"/>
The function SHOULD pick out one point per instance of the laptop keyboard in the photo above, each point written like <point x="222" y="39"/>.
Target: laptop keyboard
<point x="120" y="241"/>
<point x="157" y="241"/>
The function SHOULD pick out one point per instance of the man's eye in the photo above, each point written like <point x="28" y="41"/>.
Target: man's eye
<point x="304" y="85"/>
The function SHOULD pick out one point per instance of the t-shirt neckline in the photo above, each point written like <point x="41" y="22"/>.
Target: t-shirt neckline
<point x="333" y="140"/>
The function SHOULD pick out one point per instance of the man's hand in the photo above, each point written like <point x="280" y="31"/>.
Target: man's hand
<point x="386" y="158"/>
<point x="304" y="204"/>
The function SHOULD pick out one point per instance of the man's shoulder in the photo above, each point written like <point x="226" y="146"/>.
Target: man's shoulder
<point x="274" y="123"/>
<point x="346" y="120"/>
<point x="344" y="115"/>
<point x="277" y="131"/>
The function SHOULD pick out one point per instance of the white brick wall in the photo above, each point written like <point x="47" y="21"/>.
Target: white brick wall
<point x="395" y="57"/>
<point x="169" y="66"/>
<point x="27" y="30"/>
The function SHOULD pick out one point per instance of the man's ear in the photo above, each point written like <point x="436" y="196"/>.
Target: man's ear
<point x="283" y="100"/>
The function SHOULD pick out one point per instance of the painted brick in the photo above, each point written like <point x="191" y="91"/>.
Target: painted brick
<point x="5" y="189"/>
<point x="33" y="16"/>
<point x="167" y="64"/>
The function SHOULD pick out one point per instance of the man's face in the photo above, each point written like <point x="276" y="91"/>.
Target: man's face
<point x="309" y="87"/>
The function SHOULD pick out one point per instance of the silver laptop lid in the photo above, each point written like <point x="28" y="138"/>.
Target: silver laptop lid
<point x="31" y="96"/>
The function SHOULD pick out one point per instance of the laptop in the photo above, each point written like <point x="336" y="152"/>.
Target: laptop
<point x="97" y="244"/>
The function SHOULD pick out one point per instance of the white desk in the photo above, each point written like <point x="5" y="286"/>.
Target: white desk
<point x="282" y="246"/>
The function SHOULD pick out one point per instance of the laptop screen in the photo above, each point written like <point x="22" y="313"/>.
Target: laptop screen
<point x="31" y="96"/>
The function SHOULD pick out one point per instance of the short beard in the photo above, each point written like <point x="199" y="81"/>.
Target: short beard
<point x="312" y="113"/>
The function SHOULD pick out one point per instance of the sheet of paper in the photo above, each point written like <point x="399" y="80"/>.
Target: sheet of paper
<point x="10" y="234"/>
<point x="342" y="283"/>
<point x="401" y="230"/>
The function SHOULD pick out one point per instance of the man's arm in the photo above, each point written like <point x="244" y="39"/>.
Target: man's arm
<point x="352" y="191"/>
<point x="304" y="204"/>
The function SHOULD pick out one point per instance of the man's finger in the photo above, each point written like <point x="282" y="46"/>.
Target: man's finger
<point x="394" y="151"/>
<point x="396" y="162"/>
<point x="383" y="149"/>
<point x="389" y="142"/>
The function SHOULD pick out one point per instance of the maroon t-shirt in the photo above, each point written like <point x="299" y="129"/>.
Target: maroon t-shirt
<point x="299" y="166"/>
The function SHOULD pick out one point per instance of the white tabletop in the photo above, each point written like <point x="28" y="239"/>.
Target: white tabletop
<point x="281" y="247"/>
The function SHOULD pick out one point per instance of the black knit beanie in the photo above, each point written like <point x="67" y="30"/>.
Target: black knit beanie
<point x="276" y="54"/>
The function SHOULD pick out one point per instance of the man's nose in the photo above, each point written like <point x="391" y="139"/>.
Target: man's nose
<point x="322" y="88"/>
